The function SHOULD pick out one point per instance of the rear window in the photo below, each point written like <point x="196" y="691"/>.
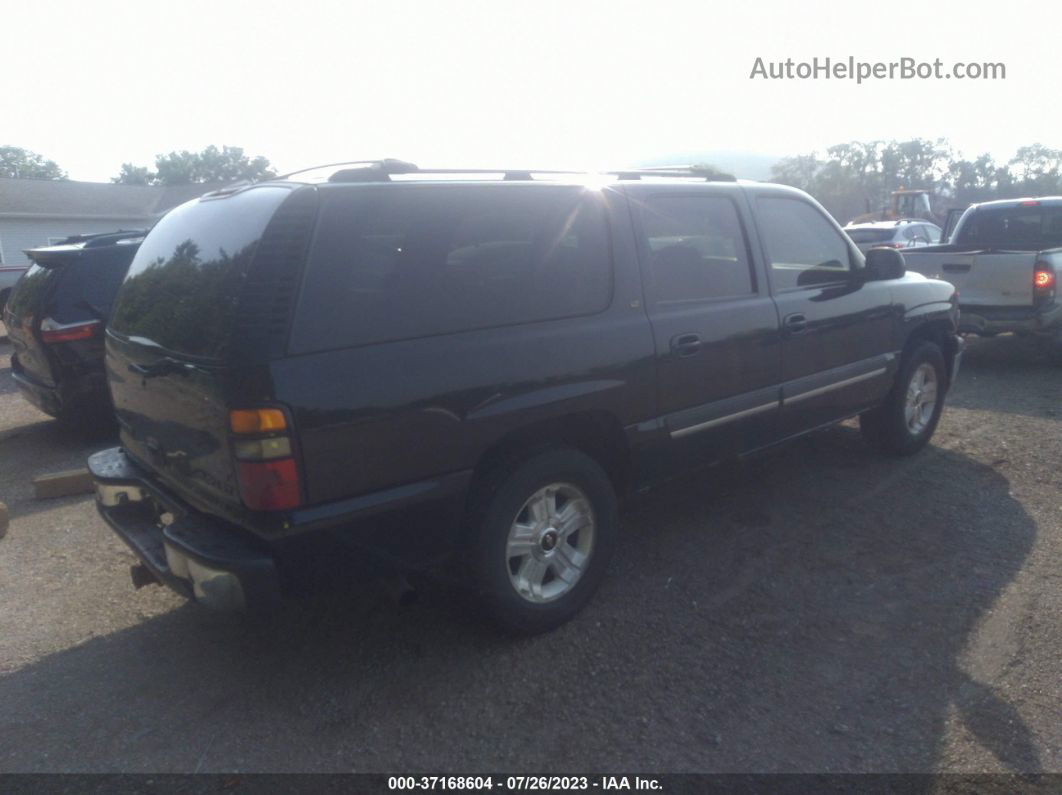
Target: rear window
<point x="72" y="292"/>
<point x="87" y="287"/>
<point x="1019" y="228"/>
<point x="398" y="262"/>
<point x="183" y="284"/>
<point x="863" y="236"/>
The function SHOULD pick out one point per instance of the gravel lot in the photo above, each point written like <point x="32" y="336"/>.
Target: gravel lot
<point x="819" y="608"/>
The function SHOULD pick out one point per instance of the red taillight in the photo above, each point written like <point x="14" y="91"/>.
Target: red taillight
<point x="269" y="485"/>
<point x="265" y="464"/>
<point x="888" y="245"/>
<point x="1031" y="203"/>
<point x="52" y="332"/>
<point x="1043" y="283"/>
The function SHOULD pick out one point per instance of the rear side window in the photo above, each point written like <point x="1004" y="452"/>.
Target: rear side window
<point x="697" y="248"/>
<point x="183" y="284"/>
<point x="397" y="262"/>
<point x="803" y="248"/>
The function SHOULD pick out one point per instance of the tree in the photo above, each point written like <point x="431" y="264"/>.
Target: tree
<point x="133" y="175"/>
<point x="21" y="163"/>
<point x="712" y="173"/>
<point x="228" y="164"/>
<point x="1038" y="169"/>
<point x="859" y="177"/>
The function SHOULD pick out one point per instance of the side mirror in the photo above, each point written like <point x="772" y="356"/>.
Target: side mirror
<point x="884" y="264"/>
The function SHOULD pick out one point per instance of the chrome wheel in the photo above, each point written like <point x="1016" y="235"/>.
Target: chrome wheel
<point x="550" y="542"/>
<point x="921" y="398"/>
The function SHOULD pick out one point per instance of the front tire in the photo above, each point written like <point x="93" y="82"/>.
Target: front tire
<point x="544" y="530"/>
<point x="905" y="422"/>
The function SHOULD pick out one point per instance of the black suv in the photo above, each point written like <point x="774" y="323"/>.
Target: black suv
<point x="55" y="318"/>
<point x="424" y="363"/>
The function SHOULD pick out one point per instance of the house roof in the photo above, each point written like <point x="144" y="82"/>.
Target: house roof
<point x="43" y="198"/>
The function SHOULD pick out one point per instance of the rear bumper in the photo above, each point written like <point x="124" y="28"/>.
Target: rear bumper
<point x="1000" y="319"/>
<point x="47" y="398"/>
<point x="194" y="554"/>
<point x="71" y="392"/>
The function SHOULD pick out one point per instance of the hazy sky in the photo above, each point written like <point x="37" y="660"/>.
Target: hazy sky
<point x="568" y="84"/>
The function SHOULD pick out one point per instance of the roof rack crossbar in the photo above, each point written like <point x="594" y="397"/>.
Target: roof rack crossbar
<point x="671" y="171"/>
<point x="368" y="163"/>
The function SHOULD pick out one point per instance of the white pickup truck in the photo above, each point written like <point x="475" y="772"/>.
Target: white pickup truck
<point x="1004" y="258"/>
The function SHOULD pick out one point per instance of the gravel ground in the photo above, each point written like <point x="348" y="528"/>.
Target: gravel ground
<point x="818" y="609"/>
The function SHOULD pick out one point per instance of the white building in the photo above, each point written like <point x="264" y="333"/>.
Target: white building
<point x="36" y="212"/>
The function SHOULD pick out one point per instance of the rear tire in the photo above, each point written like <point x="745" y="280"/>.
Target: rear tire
<point x="543" y="530"/>
<point x="905" y="422"/>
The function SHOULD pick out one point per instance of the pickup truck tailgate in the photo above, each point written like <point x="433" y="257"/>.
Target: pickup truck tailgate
<point x="983" y="278"/>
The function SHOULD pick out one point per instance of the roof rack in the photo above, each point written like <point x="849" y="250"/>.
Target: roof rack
<point x="709" y="175"/>
<point x="382" y="170"/>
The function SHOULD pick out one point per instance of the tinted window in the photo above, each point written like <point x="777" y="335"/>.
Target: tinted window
<point x="28" y="293"/>
<point x="395" y="262"/>
<point x="94" y="280"/>
<point x="870" y="235"/>
<point x="696" y="247"/>
<point x="802" y="247"/>
<point x="1022" y="228"/>
<point x="183" y="283"/>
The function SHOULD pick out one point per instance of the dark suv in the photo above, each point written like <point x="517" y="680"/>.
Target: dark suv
<point x="55" y="319"/>
<point x="473" y="367"/>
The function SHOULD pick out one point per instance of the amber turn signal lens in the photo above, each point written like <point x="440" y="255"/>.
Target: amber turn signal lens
<point x="257" y="420"/>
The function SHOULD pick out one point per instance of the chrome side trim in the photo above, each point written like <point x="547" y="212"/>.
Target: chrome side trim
<point x="703" y="426"/>
<point x="838" y="385"/>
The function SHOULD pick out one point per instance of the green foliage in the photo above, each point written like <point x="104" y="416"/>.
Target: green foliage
<point x="133" y="175"/>
<point x="228" y="164"/>
<point x="23" y="164"/>
<point x="857" y="177"/>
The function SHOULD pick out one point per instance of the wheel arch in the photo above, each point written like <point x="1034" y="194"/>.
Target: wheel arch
<point x="598" y="434"/>
<point x="939" y="331"/>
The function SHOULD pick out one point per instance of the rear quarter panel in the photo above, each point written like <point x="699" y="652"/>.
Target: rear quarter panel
<point x="377" y="416"/>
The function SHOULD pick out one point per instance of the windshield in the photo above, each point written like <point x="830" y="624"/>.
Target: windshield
<point x="182" y="287"/>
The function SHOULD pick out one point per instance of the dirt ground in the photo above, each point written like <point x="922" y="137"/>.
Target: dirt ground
<point x="819" y="608"/>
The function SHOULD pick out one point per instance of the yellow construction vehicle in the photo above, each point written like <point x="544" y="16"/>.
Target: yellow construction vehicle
<point x="904" y="204"/>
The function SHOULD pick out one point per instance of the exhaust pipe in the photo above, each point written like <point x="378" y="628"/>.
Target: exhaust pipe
<point x="397" y="587"/>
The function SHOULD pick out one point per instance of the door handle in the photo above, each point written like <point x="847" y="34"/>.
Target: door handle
<point x="683" y="345"/>
<point x="796" y="323"/>
<point x="956" y="267"/>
